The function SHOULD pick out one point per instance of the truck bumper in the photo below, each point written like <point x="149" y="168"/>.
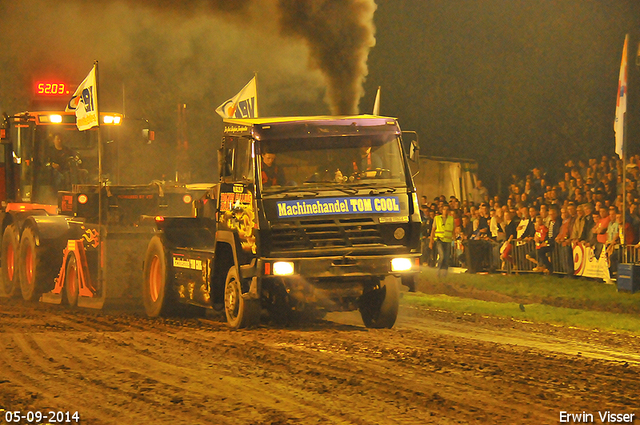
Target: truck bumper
<point x="339" y="267"/>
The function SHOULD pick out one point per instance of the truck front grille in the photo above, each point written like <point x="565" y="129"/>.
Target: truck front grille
<point x="325" y="233"/>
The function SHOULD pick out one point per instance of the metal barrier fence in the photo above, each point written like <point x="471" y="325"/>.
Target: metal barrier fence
<point x="631" y="254"/>
<point x="489" y="256"/>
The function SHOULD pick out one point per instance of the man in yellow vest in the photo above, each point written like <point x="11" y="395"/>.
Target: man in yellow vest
<point x="442" y="233"/>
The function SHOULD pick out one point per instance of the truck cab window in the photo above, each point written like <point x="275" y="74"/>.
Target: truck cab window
<point x="244" y="161"/>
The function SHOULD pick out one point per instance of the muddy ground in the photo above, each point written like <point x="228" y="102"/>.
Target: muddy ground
<point x="432" y="367"/>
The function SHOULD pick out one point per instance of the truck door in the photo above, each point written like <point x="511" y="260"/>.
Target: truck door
<point x="237" y="211"/>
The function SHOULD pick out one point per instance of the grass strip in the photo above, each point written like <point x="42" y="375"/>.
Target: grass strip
<point x="528" y="285"/>
<point x="533" y="312"/>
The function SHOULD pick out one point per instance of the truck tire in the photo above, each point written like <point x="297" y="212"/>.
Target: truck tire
<point x="154" y="289"/>
<point x="379" y="308"/>
<point x="9" y="257"/>
<point x="410" y="282"/>
<point x="241" y="312"/>
<point x="71" y="281"/>
<point x="37" y="275"/>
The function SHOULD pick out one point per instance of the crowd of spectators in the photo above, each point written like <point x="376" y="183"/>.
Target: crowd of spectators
<point x="584" y="205"/>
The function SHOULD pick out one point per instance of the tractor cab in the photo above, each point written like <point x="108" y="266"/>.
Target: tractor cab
<point x="43" y="153"/>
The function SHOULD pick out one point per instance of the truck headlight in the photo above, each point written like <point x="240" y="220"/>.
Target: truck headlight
<point x="282" y="268"/>
<point x="400" y="264"/>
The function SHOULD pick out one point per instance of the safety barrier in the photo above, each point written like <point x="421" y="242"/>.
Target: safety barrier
<point x="572" y="259"/>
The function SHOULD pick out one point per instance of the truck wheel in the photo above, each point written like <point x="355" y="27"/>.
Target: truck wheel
<point x="9" y="257"/>
<point x="154" y="289"/>
<point x="36" y="275"/>
<point x="71" y="281"/>
<point x="379" y="308"/>
<point x="410" y="282"/>
<point x="241" y="312"/>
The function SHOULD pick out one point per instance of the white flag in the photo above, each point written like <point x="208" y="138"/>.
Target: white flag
<point x="242" y="105"/>
<point x="376" y="103"/>
<point x="85" y="102"/>
<point x="621" y="103"/>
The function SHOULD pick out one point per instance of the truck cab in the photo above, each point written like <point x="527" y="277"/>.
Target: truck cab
<point x="310" y="213"/>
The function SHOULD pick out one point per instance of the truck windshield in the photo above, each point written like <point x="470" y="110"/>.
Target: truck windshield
<point x="340" y="161"/>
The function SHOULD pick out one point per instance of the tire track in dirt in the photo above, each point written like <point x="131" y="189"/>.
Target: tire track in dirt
<point x="47" y="386"/>
<point x="196" y="382"/>
<point x="332" y="371"/>
<point x="278" y="358"/>
<point x="414" y="385"/>
<point x="150" y="383"/>
<point x="113" y="399"/>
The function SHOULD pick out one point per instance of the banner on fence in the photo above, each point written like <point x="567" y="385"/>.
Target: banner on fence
<point x="586" y="264"/>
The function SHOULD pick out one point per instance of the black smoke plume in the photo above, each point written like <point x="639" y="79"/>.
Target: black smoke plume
<point x="339" y="34"/>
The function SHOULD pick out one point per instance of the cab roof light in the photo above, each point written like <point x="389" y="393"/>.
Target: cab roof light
<point x="55" y="118"/>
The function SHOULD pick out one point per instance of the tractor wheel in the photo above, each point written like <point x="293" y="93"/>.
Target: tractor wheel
<point x="379" y="308"/>
<point x="10" y="284"/>
<point x="36" y="273"/>
<point x="71" y="281"/>
<point x="241" y="312"/>
<point x="155" y="296"/>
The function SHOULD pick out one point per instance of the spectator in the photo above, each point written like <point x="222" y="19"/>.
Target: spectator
<point x="613" y="239"/>
<point x="511" y="220"/>
<point x="526" y="228"/>
<point x="554" y="224"/>
<point x="600" y="230"/>
<point x="578" y="225"/>
<point x="634" y="218"/>
<point x="544" y="213"/>
<point x="613" y="235"/>
<point x="541" y="239"/>
<point x="425" y="234"/>
<point x="467" y="227"/>
<point x="588" y="223"/>
<point x="497" y="226"/>
<point x="483" y="221"/>
<point x="479" y="192"/>
<point x="562" y="191"/>
<point x="628" y="237"/>
<point x="442" y="235"/>
<point x="564" y="243"/>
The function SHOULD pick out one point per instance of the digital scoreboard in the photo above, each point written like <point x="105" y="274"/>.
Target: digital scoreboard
<point x="52" y="89"/>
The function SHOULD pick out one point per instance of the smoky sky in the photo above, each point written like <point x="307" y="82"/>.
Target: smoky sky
<point x="157" y="54"/>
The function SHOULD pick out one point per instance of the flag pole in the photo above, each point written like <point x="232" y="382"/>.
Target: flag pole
<point x="255" y="76"/>
<point x="100" y="184"/>
<point x="624" y="185"/>
<point x="620" y="129"/>
<point x="624" y="154"/>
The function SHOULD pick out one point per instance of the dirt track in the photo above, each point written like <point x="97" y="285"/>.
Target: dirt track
<point x="433" y="367"/>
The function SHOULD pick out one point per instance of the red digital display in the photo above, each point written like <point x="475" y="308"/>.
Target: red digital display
<point x="49" y="88"/>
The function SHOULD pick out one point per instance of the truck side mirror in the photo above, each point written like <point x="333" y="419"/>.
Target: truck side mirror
<point x="414" y="151"/>
<point x="414" y="145"/>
